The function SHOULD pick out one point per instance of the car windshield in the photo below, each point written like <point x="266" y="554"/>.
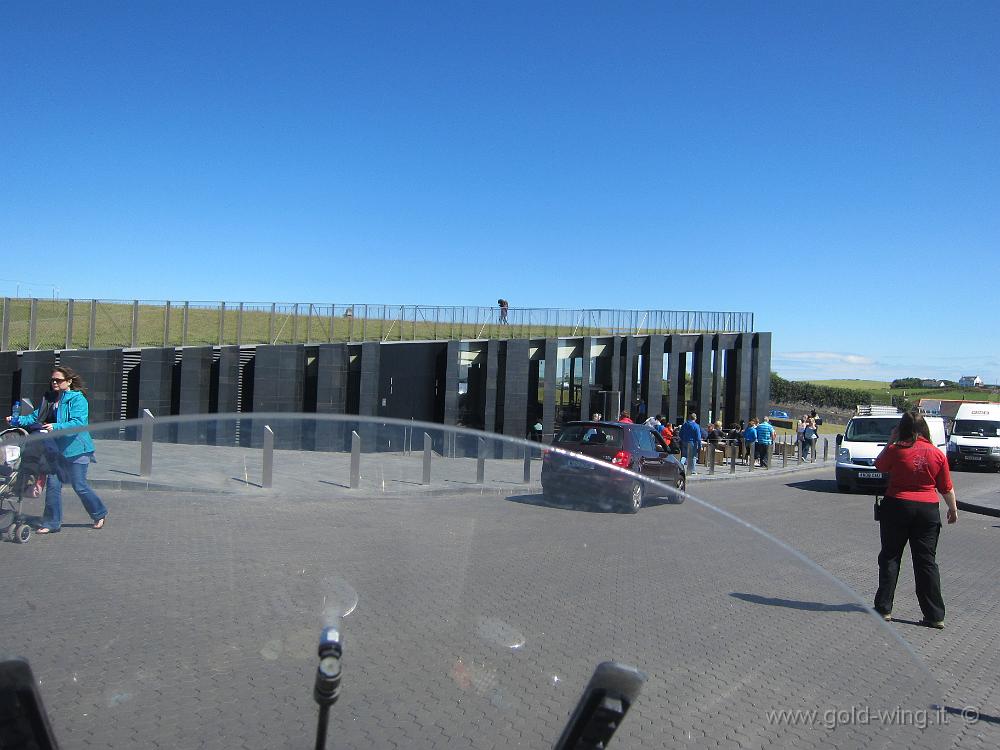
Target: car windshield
<point x="264" y="580"/>
<point x="976" y="428"/>
<point x="593" y="434"/>
<point x="870" y="429"/>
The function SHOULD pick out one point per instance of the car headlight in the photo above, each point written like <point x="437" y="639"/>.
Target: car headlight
<point x="952" y="447"/>
<point x="843" y="455"/>
<point x="995" y="450"/>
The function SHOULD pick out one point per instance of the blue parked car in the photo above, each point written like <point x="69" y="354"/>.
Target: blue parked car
<point x="778" y="413"/>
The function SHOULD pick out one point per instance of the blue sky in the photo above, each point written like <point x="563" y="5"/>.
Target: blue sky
<point x="832" y="167"/>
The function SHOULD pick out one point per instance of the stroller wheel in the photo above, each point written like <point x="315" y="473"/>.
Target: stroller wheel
<point x="22" y="534"/>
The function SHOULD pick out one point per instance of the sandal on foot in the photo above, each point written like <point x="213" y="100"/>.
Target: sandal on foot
<point x="99" y="523"/>
<point x="46" y="530"/>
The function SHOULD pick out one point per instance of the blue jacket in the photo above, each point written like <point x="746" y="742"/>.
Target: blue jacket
<point x="71" y="411"/>
<point x="750" y="434"/>
<point x="691" y="433"/>
<point x="765" y="433"/>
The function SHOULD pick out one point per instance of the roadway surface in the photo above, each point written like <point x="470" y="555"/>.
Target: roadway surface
<point x="477" y="613"/>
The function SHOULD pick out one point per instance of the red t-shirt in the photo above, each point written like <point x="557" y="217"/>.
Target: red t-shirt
<point x="916" y="472"/>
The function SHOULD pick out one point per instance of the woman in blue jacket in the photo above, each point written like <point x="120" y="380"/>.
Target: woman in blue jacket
<point x="70" y="409"/>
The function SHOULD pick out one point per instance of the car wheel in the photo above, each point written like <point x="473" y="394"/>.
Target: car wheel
<point x="681" y="483"/>
<point x="635" y="498"/>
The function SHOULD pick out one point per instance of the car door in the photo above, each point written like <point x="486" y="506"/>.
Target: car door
<point x="650" y="458"/>
<point x="669" y="468"/>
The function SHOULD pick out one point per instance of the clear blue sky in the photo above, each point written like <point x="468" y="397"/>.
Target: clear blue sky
<point x="833" y="167"/>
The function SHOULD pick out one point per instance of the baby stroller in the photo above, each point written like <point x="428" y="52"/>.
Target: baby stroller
<point x="21" y="477"/>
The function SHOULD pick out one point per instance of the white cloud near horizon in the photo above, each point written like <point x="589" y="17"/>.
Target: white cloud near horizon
<point x="826" y="358"/>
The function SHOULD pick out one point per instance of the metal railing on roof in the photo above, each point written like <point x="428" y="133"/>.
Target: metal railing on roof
<point x="34" y="323"/>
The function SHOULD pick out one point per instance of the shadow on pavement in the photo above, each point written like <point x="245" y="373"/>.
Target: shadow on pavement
<point x="970" y="714"/>
<point x="817" y="485"/>
<point x="795" y="604"/>
<point x="589" y="507"/>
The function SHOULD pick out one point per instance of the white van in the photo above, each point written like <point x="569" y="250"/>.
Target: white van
<point x="975" y="437"/>
<point x="866" y="435"/>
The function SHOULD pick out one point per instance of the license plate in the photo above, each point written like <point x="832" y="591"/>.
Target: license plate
<point x="973" y="458"/>
<point x="869" y="475"/>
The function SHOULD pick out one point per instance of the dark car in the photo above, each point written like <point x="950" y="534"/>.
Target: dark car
<point x="629" y="446"/>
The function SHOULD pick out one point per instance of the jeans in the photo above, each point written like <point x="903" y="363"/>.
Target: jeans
<point x="902" y="521"/>
<point x="690" y="449"/>
<point x="52" y="517"/>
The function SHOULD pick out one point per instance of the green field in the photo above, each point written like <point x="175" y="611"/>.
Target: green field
<point x="882" y="393"/>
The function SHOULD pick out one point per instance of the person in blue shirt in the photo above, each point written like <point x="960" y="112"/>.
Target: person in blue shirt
<point x="765" y="436"/>
<point x="76" y="451"/>
<point x="691" y="440"/>
<point x="750" y="441"/>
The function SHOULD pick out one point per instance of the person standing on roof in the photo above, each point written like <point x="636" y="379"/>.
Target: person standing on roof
<point x="765" y="436"/>
<point x="504" y="307"/>
<point x="691" y="441"/>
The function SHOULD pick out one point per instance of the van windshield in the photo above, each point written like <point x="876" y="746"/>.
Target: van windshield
<point x="976" y="428"/>
<point x="870" y="430"/>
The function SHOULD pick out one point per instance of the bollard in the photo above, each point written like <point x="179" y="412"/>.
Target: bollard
<point x="481" y="462"/>
<point x="802" y="445"/>
<point x="752" y="455"/>
<point x="527" y="466"/>
<point x="146" y="444"/>
<point x="355" y="459"/>
<point x="826" y="449"/>
<point x="267" y="472"/>
<point x="710" y="449"/>
<point x="784" y="452"/>
<point x="768" y="455"/>
<point x="732" y="459"/>
<point x="427" y="459"/>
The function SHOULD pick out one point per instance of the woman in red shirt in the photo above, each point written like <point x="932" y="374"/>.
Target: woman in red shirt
<point x="918" y="472"/>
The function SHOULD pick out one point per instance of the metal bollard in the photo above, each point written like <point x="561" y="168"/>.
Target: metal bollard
<point x="768" y="454"/>
<point x="267" y="471"/>
<point x="752" y="455"/>
<point x="481" y="462"/>
<point x="826" y="449"/>
<point x="710" y="449"/>
<point x="427" y="459"/>
<point x="146" y="444"/>
<point x="732" y="459"/>
<point x="802" y="445"/>
<point x="355" y="460"/>
<point x="784" y="452"/>
<point x="527" y="465"/>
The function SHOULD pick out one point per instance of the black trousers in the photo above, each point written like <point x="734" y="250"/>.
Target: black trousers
<point x="902" y="521"/>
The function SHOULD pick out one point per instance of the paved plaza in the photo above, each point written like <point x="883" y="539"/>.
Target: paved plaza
<point x="475" y="613"/>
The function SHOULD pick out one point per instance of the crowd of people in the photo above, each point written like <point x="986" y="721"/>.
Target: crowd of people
<point x="753" y="439"/>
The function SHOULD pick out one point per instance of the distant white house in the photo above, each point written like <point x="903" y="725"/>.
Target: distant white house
<point x="932" y="383"/>
<point x="970" y="381"/>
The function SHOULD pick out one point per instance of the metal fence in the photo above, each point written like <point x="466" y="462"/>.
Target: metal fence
<point x="92" y="324"/>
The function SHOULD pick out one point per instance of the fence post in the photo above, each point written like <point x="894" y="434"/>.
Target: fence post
<point x="270" y="326"/>
<point x="222" y="323"/>
<point x="69" y="324"/>
<point x="33" y="324"/>
<point x="267" y="472"/>
<point x="355" y="459"/>
<point x="166" y="324"/>
<point x="527" y="465"/>
<point x="295" y="323"/>
<point x="5" y="332"/>
<point x="239" y="325"/>
<point x="146" y="444"/>
<point x="481" y="461"/>
<point x="427" y="460"/>
<point x="184" y="324"/>
<point x="92" y="334"/>
<point x="135" y="323"/>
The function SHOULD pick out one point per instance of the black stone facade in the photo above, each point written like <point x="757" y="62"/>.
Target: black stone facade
<point x="728" y="378"/>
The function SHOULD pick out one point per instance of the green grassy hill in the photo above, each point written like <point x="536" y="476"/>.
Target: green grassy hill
<point x="882" y="393"/>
